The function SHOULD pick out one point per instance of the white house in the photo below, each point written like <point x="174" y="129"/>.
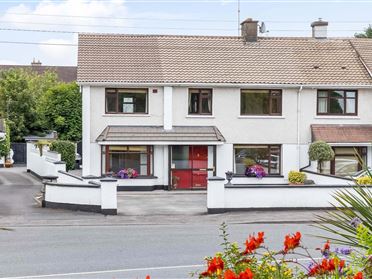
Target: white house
<point x="181" y="108"/>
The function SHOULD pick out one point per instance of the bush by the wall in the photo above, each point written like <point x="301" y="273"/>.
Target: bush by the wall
<point x="296" y="177"/>
<point x="320" y="151"/>
<point x="364" y="180"/>
<point x="5" y="142"/>
<point x="67" y="151"/>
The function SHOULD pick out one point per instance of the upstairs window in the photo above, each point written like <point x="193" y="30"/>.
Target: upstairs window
<point x="261" y="102"/>
<point x="132" y="100"/>
<point x="337" y="102"/>
<point x="200" y="101"/>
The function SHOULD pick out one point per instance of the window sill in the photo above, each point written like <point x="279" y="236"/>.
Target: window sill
<point x="267" y="176"/>
<point x="199" y="116"/>
<point x="125" y="115"/>
<point x="261" y="116"/>
<point x="337" y="117"/>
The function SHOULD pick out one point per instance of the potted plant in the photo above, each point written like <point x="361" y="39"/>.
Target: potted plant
<point x="255" y="171"/>
<point x="127" y="173"/>
<point x="320" y="151"/>
<point x="296" y="178"/>
<point x="5" y="147"/>
<point x="249" y="163"/>
<point x="175" y="180"/>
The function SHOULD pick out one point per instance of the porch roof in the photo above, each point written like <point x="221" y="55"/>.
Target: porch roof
<point x="178" y="134"/>
<point x="332" y="133"/>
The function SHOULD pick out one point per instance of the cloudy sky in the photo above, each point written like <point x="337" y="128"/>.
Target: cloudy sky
<point x="47" y="29"/>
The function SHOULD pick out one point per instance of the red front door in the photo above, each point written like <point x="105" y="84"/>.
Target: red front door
<point x="189" y="167"/>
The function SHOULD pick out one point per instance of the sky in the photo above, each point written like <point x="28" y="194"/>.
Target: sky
<point x="24" y="24"/>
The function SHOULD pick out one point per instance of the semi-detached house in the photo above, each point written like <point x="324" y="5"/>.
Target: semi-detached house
<point x="181" y="108"/>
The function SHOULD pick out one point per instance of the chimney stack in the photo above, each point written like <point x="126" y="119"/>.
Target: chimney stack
<point x="319" y="28"/>
<point x="249" y="30"/>
<point x="35" y="64"/>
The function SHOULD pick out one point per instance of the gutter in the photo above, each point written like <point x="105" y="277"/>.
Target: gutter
<point x="232" y="85"/>
<point x="298" y="125"/>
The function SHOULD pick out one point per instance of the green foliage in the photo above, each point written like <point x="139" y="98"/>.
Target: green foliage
<point x="40" y="144"/>
<point x="20" y="91"/>
<point x="355" y="206"/>
<point x="320" y="151"/>
<point x="366" y="34"/>
<point x="365" y="180"/>
<point x="249" y="162"/>
<point x="296" y="177"/>
<point x="67" y="151"/>
<point x="5" y="142"/>
<point x="60" y="108"/>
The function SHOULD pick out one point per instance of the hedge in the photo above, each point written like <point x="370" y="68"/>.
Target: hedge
<point x="67" y="151"/>
<point x="5" y="142"/>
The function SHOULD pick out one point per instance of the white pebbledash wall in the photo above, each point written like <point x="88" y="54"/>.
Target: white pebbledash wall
<point x="291" y="130"/>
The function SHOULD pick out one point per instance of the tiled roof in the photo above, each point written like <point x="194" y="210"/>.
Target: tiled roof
<point x="111" y="58"/>
<point x="342" y="133"/>
<point x="364" y="48"/>
<point x="157" y="133"/>
<point x="64" y="73"/>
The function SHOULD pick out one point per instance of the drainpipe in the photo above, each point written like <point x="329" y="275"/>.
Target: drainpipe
<point x="298" y="125"/>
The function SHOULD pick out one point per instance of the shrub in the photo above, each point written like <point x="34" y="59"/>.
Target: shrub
<point x="365" y="180"/>
<point x="67" y="151"/>
<point x="320" y="151"/>
<point x="5" y="142"/>
<point x="296" y="177"/>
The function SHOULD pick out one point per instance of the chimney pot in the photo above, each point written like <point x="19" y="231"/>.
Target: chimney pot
<point x="249" y="30"/>
<point x="319" y="29"/>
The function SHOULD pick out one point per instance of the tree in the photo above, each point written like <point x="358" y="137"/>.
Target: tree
<point x="320" y="151"/>
<point x="5" y="142"/>
<point x="366" y="34"/>
<point x="60" y="108"/>
<point x="19" y="93"/>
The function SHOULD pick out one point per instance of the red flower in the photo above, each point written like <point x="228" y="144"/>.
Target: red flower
<point x="247" y="274"/>
<point x="215" y="265"/>
<point x="252" y="243"/>
<point x="326" y="266"/>
<point x="291" y="242"/>
<point x="359" y="275"/>
<point x="229" y="274"/>
<point x="148" y="277"/>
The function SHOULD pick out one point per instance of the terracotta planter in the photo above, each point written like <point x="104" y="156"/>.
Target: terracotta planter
<point x="296" y="184"/>
<point x="8" y="164"/>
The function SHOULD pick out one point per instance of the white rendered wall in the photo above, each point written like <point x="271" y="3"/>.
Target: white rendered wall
<point x="87" y="123"/>
<point x="225" y="157"/>
<point x="43" y="165"/>
<point x="73" y="195"/>
<point x="168" y="107"/>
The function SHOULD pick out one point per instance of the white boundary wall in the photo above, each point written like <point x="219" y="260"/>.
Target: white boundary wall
<point x="223" y="197"/>
<point x="46" y="165"/>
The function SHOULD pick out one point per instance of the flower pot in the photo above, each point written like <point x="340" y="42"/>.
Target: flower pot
<point x="296" y="184"/>
<point x="8" y="164"/>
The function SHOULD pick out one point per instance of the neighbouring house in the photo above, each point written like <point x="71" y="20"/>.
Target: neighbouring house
<point x="179" y="109"/>
<point x="64" y="73"/>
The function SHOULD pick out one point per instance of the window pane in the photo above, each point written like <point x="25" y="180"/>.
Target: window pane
<point x="351" y="94"/>
<point x="337" y="94"/>
<point x="259" y="154"/>
<point x="346" y="165"/>
<point x="275" y="160"/>
<point x="194" y="103"/>
<point x="322" y="105"/>
<point x="345" y="150"/>
<point x="132" y="102"/>
<point x="180" y="157"/>
<point x="120" y="161"/>
<point x="206" y="103"/>
<point x="350" y="106"/>
<point x="322" y="94"/>
<point x="111" y="105"/>
<point x="276" y="105"/>
<point x="255" y="102"/>
<point x="337" y="106"/>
